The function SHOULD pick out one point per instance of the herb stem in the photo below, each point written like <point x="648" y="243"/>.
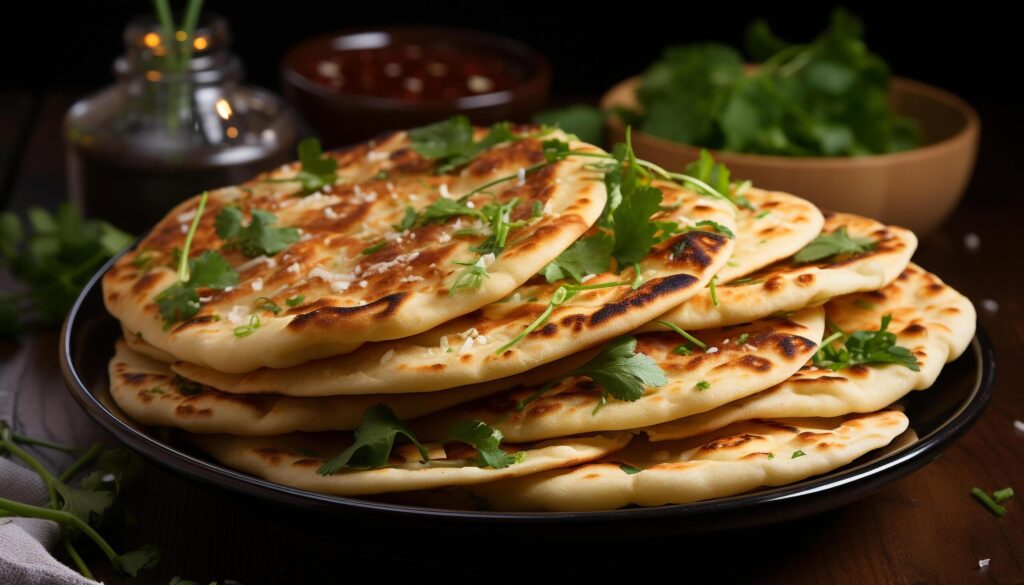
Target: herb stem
<point x="63" y="518"/>
<point x="988" y="502"/>
<point x="23" y="440"/>
<point x="81" y="462"/>
<point x="685" y="335"/>
<point x="183" y="274"/>
<point x="8" y="444"/>
<point x="75" y="557"/>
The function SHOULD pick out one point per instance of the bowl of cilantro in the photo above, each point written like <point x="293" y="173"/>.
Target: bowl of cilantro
<point x="822" y="120"/>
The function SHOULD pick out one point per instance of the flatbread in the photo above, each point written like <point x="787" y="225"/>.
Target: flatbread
<point x="778" y="226"/>
<point x="146" y="390"/>
<point x="737" y="459"/>
<point x="465" y="350"/>
<point x="292" y="460"/>
<point x="929" y="318"/>
<point x="772" y="351"/>
<point x="788" y="285"/>
<point x="350" y="297"/>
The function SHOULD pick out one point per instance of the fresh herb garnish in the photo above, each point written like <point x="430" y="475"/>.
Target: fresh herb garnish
<point x="712" y="289"/>
<point x="989" y="503"/>
<point x="629" y="469"/>
<point x="825" y="98"/>
<point x="487" y="442"/>
<point x="864" y="347"/>
<point x="250" y="328"/>
<point x="267" y="304"/>
<point x="450" y="142"/>
<point x="79" y="511"/>
<point x="561" y="294"/>
<point x="318" y="171"/>
<point x="373" y="442"/>
<point x="682" y="349"/>
<point x="742" y="339"/>
<point x="295" y="301"/>
<point x="180" y="301"/>
<point x="472" y="276"/>
<point x="54" y="262"/>
<point x="619" y="370"/>
<point x="797" y="453"/>
<point x="702" y="385"/>
<point x="713" y="177"/>
<point x="258" y="237"/>
<point x="1002" y="495"/>
<point x="833" y="244"/>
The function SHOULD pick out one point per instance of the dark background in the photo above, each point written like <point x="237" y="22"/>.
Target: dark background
<point x="970" y="49"/>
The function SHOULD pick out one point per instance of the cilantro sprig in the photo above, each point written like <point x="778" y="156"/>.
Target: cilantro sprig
<point x="374" y="440"/>
<point x="619" y="370"/>
<point x="79" y="511"/>
<point x="54" y="262"/>
<point x="180" y="301"/>
<point x="258" y="237"/>
<point x="487" y="442"/>
<point x="833" y="244"/>
<point x="317" y="171"/>
<point x="560" y="296"/>
<point x="864" y="347"/>
<point x="450" y="142"/>
<point x="380" y="428"/>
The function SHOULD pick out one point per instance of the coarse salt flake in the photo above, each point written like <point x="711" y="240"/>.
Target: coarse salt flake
<point x="377" y="155"/>
<point x="239" y="314"/>
<point x="257" y="285"/>
<point x="983" y="563"/>
<point x="1019" y="425"/>
<point x="711" y="350"/>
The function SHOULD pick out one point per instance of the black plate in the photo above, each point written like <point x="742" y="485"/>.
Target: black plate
<point x="938" y="416"/>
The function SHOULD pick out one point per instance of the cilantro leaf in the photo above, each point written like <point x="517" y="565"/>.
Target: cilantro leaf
<point x="318" y="171"/>
<point x="211" y="270"/>
<point x="136" y="562"/>
<point x="89" y="505"/>
<point x="833" y="244"/>
<point x="590" y="255"/>
<point x="259" y="237"/>
<point x="54" y="259"/>
<point x="865" y="347"/>
<point x="443" y="139"/>
<point x="487" y="442"/>
<point x="621" y="371"/>
<point x="177" y="302"/>
<point x="629" y="469"/>
<point x="634" y="230"/>
<point x="618" y="369"/>
<point x="450" y="142"/>
<point x="374" y="440"/>
<point x="444" y="209"/>
<point x="715" y="175"/>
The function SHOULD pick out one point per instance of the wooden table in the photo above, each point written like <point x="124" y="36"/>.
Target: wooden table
<point x="922" y="529"/>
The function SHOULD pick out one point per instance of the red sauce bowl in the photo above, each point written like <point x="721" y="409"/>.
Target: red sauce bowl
<point x="354" y="85"/>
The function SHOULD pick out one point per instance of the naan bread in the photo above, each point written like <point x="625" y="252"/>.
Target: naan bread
<point x="348" y="297"/>
<point x="292" y="460"/>
<point x="772" y="351"/>
<point x="737" y="459"/>
<point x="777" y="227"/>
<point x="788" y="285"/>
<point x="465" y="350"/>
<point x="931" y="319"/>
<point x="146" y="390"/>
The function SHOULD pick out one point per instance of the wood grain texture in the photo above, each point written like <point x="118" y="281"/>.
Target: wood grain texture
<point x="922" y="529"/>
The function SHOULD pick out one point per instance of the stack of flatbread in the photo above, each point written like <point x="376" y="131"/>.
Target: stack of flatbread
<point x="512" y="319"/>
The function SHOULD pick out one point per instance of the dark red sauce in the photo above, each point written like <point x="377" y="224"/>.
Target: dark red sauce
<point x="415" y="72"/>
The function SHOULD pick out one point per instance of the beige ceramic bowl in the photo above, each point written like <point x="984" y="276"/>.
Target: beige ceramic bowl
<point x="917" y="188"/>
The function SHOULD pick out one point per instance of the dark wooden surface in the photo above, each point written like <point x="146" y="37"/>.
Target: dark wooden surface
<point x="922" y="529"/>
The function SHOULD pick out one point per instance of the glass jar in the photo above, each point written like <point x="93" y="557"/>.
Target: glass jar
<point x="177" y="121"/>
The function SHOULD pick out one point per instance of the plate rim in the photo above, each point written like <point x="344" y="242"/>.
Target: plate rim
<point x="887" y="469"/>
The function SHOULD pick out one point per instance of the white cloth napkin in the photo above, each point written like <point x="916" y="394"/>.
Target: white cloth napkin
<point x="24" y="542"/>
